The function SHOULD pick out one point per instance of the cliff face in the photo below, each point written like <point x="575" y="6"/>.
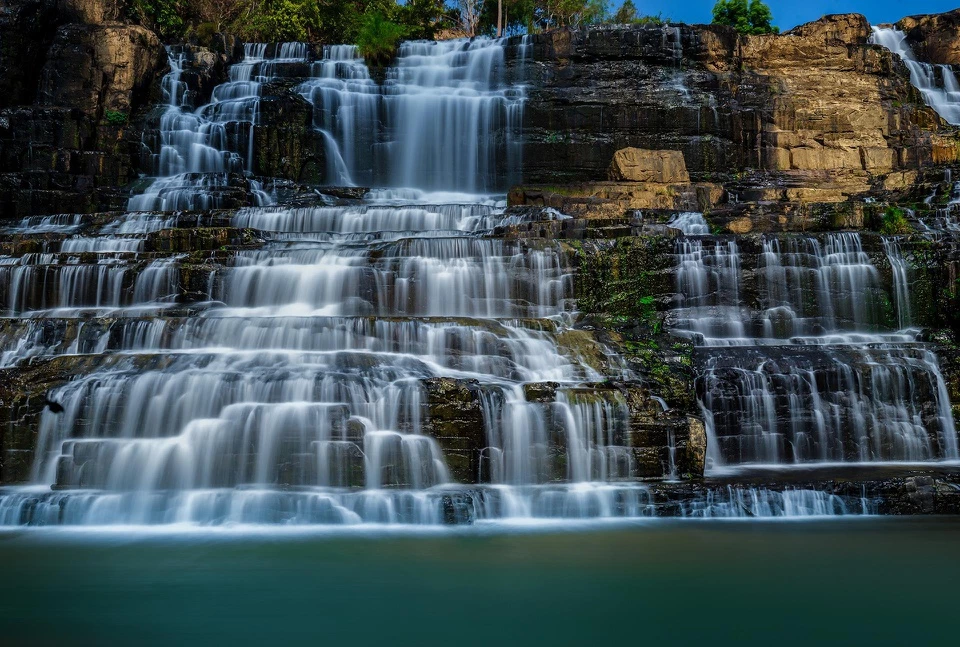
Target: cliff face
<point x="935" y="38"/>
<point x="73" y="82"/>
<point x="816" y="114"/>
<point x="817" y="106"/>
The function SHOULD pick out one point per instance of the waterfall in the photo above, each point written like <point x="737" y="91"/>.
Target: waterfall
<point x="942" y="96"/>
<point x="901" y="281"/>
<point x="198" y="150"/>
<point x="444" y="118"/>
<point x="812" y="370"/>
<point x="396" y="359"/>
<point x="289" y="381"/>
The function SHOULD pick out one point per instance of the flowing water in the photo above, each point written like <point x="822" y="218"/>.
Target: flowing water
<point x="293" y="389"/>
<point x="937" y="83"/>
<point x="304" y="379"/>
<point x="810" y="368"/>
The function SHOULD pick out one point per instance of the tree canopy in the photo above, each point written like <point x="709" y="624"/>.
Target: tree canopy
<point x="748" y="18"/>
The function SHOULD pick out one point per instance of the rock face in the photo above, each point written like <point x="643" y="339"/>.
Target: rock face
<point x="101" y="69"/>
<point x="935" y="38"/>
<point x="638" y="165"/>
<point x="75" y="84"/>
<point x="817" y="105"/>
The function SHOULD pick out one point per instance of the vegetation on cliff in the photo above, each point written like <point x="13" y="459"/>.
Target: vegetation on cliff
<point x="375" y="25"/>
<point x="325" y="21"/>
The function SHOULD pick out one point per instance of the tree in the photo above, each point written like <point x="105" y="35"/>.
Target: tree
<point x="550" y="14"/>
<point x="470" y="11"/>
<point x="378" y="38"/>
<point x="626" y="14"/>
<point x="752" y="18"/>
<point x="512" y="16"/>
<point x="424" y="18"/>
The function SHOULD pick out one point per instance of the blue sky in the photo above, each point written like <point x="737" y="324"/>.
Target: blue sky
<point x="790" y="13"/>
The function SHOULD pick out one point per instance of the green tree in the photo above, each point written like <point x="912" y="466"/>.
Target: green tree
<point x="425" y="18"/>
<point x="378" y="38"/>
<point x="751" y="17"/>
<point x="163" y="16"/>
<point x="550" y="14"/>
<point x="626" y="14"/>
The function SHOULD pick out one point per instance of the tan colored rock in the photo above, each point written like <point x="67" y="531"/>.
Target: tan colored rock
<point x="696" y="446"/>
<point x="944" y="150"/>
<point x="832" y="104"/>
<point x="640" y="165"/>
<point x="935" y="38"/>
<point x="92" y="12"/>
<point x="899" y="180"/>
<point x="100" y="68"/>
<point x="740" y="226"/>
<point x="614" y="199"/>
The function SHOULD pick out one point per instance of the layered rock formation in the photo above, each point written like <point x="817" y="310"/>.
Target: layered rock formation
<point x="778" y="142"/>
<point x="820" y="110"/>
<point x="74" y="84"/>
<point x="934" y="37"/>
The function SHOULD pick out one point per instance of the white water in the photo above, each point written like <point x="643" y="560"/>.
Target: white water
<point x="445" y="117"/>
<point x="937" y="83"/>
<point x="811" y="371"/>
<point x="288" y="383"/>
<point x="199" y="149"/>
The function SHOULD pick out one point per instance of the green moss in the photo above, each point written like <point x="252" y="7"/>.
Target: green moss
<point x="893" y="221"/>
<point x="625" y="279"/>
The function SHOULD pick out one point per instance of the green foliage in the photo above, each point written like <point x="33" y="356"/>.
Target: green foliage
<point x="115" y="117"/>
<point x="753" y="17"/>
<point x="894" y="221"/>
<point x="278" y="20"/>
<point x="378" y="38"/>
<point x="550" y="14"/>
<point x="423" y="19"/>
<point x="626" y="14"/>
<point x="163" y="16"/>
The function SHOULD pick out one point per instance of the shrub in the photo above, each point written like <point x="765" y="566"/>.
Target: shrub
<point x="115" y="117"/>
<point x="278" y="21"/>
<point x="894" y="221"/>
<point x="164" y="16"/>
<point x="378" y="38"/>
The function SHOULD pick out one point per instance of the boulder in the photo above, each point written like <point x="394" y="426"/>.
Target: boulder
<point x="639" y="165"/>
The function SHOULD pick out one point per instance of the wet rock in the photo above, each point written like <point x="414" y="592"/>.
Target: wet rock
<point x="454" y="416"/>
<point x="286" y="144"/>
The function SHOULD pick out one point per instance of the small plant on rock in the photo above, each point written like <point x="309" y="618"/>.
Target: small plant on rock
<point x="894" y="221"/>
<point x="115" y="117"/>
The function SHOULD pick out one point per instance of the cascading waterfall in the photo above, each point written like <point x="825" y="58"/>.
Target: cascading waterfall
<point x="196" y="152"/>
<point x="937" y="83"/>
<point x="814" y="372"/>
<point x="445" y="116"/>
<point x="293" y="386"/>
<point x="294" y="381"/>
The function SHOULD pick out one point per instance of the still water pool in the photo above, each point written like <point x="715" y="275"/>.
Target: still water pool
<point x="854" y="581"/>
